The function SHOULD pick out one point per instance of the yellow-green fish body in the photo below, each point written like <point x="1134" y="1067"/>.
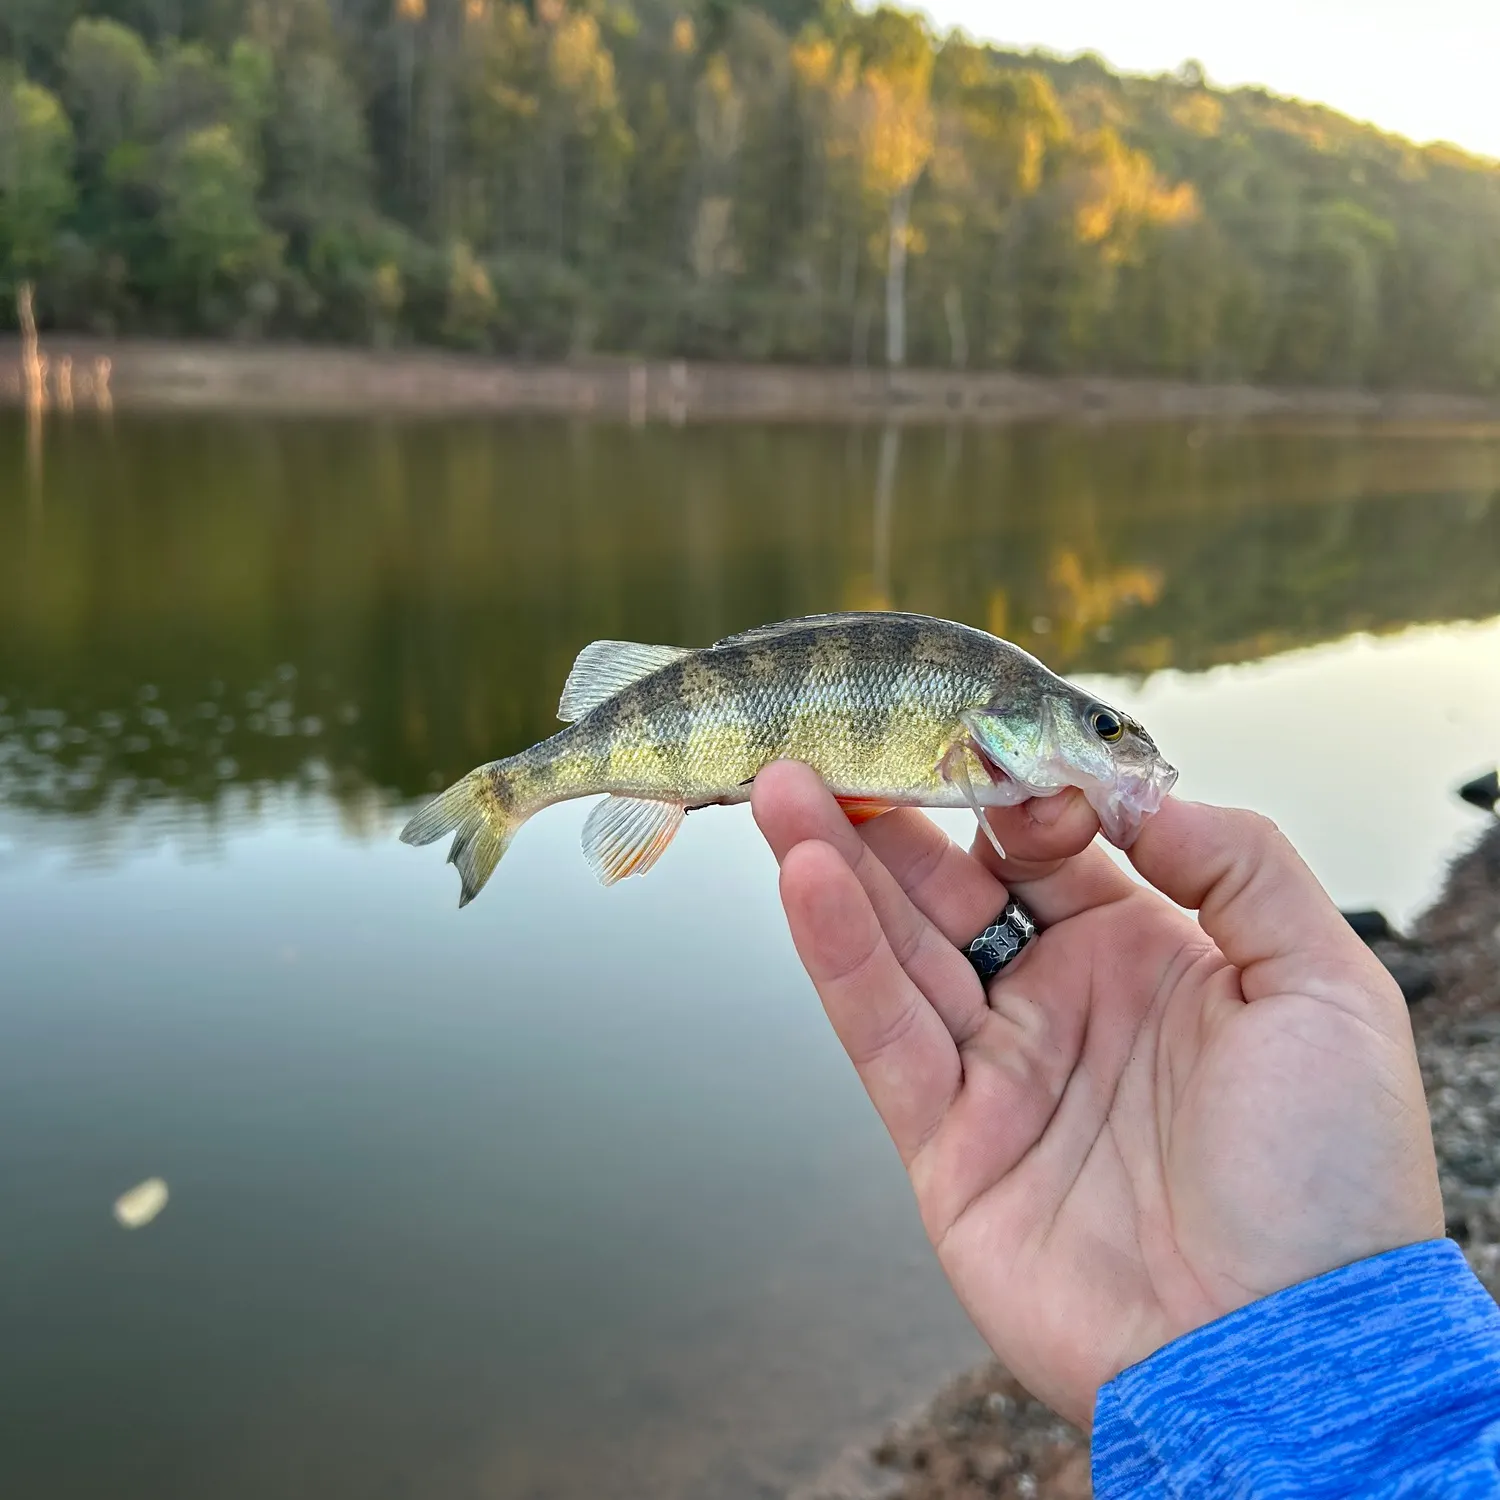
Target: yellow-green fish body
<point x="889" y="709"/>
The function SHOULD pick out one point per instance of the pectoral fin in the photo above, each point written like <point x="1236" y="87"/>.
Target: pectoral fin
<point x="955" y="771"/>
<point x="627" y="835"/>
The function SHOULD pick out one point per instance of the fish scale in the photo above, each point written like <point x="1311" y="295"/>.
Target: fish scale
<point x="890" y="709"/>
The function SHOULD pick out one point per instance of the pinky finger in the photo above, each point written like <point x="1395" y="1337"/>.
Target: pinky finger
<point x="902" y="1050"/>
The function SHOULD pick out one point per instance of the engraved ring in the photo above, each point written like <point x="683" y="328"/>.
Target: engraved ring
<point x="1001" y="941"/>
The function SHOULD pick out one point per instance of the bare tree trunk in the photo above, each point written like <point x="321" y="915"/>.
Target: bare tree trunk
<point x="32" y="371"/>
<point x="34" y="377"/>
<point x="895" y="279"/>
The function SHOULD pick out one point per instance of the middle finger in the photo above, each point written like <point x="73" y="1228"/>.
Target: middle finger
<point x="792" y="807"/>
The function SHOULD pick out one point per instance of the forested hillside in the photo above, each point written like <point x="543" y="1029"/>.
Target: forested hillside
<point x="785" y="181"/>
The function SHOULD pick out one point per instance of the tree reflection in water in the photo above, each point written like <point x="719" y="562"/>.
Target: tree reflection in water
<point x="197" y="611"/>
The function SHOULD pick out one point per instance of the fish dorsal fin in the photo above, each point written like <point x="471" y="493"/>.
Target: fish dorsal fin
<point x="627" y="835"/>
<point x="602" y="669"/>
<point x="819" y="622"/>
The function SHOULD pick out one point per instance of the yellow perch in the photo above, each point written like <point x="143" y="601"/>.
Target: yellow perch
<point x="890" y="709"/>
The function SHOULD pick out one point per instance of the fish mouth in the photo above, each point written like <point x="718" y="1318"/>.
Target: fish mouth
<point x="1124" y="790"/>
<point x="1124" y="804"/>
<point x="1121" y="803"/>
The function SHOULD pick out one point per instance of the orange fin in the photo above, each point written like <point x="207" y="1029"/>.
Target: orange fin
<point x="863" y="809"/>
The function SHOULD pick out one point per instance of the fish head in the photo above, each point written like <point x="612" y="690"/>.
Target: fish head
<point x="1059" y="737"/>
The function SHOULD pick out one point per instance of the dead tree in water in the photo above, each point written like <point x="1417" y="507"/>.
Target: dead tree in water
<point x="33" y="390"/>
<point x="33" y="373"/>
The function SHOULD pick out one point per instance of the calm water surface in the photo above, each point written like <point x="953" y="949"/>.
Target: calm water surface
<point x="571" y="1194"/>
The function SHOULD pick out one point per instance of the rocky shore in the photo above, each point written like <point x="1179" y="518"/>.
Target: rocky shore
<point x="84" y="374"/>
<point x="985" y="1437"/>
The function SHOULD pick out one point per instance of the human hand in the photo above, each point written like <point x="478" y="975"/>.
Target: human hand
<point x="1149" y="1121"/>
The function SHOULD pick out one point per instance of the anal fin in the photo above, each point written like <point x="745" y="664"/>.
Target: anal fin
<point x="627" y="835"/>
<point x="863" y="809"/>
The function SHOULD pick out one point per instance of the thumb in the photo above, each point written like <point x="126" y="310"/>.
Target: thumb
<point x="1256" y="898"/>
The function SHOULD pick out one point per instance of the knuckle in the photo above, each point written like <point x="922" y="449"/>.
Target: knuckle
<point x="886" y="1037"/>
<point x="906" y="942"/>
<point x="1259" y="828"/>
<point x="929" y="858"/>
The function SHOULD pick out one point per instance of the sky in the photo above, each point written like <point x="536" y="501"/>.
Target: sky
<point x="1428" y="69"/>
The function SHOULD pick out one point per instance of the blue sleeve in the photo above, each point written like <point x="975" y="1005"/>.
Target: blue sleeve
<point x="1378" y="1380"/>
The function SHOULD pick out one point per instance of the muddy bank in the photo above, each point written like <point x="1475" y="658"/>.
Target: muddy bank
<point x="984" y="1436"/>
<point x="149" y="375"/>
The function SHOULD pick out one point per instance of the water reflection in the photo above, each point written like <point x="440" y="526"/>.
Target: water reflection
<point x="547" y="1198"/>
<point x="189" y="606"/>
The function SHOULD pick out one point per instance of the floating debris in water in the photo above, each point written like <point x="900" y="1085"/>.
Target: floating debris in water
<point x="137" y="1208"/>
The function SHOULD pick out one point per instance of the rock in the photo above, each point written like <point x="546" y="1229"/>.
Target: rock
<point x="1369" y="925"/>
<point x="1483" y="791"/>
<point x="984" y="1435"/>
<point x="1074" y="1481"/>
<point x="1411" y="966"/>
<point x="990" y="1465"/>
<point x="1408" y="963"/>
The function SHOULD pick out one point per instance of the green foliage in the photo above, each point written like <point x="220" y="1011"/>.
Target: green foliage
<point x="320" y="158"/>
<point x="36" y="186"/>
<point x="215" y="238"/>
<point x="787" y="179"/>
<point x="109" y="82"/>
<point x="251" y="75"/>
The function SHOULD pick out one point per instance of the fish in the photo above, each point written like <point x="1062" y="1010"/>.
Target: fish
<point x="891" y="710"/>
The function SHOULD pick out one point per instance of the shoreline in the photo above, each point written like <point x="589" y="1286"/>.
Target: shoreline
<point x="151" y="375"/>
<point x="983" y="1435"/>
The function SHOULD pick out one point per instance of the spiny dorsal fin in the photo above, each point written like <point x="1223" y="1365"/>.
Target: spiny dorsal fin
<point x="627" y="835"/>
<point x="602" y="669"/>
<point x="819" y="622"/>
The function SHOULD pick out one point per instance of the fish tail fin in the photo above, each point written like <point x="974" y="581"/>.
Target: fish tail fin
<point x="479" y="812"/>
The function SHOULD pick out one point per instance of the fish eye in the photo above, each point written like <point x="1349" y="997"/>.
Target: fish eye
<point x="1106" y="725"/>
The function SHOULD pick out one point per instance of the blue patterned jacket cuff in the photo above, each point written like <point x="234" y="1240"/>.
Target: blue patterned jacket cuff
<point x="1379" y="1379"/>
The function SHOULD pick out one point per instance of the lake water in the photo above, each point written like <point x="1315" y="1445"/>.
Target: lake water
<point x="548" y="1198"/>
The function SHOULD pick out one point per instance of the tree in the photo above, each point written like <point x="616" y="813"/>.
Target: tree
<point x="320" y="157"/>
<point x="192" y="93"/>
<point x="759" y="179"/>
<point x="1001" y="135"/>
<point x="109" y="83"/>
<point x="215" y="236"/>
<point x="36" y="186"/>
<point x="894" y="106"/>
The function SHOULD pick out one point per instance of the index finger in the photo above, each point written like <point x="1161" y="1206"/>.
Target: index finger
<point x="898" y="1043"/>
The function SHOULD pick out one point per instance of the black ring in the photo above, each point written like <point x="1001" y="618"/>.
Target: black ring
<point x="1001" y="941"/>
